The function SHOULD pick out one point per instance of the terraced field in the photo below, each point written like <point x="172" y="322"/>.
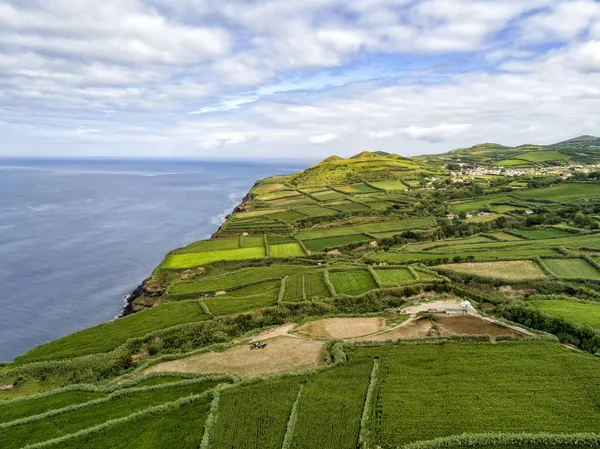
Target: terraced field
<point x="286" y="250"/>
<point x="332" y="242"/>
<point x="514" y="269"/>
<point x="573" y="311"/>
<point x="352" y="282"/>
<point x="395" y="276"/>
<point x="195" y="259"/>
<point x="572" y="268"/>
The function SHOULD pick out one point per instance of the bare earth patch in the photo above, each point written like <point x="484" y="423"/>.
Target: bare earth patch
<point x="341" y="327"/>
<point x="474" y="325"/>
<point x="437" y="305"/>
<point x="512" y="269"/>
<point x="413" y="328"/>
<point x="283" y="353"/>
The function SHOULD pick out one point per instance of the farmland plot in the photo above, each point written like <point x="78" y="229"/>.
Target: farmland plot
<point x="514" y="387"/>
<point x="252" y="242"/>
<point x="564" y="192"/>
<point x="286" y="250"/>
<point x="315" y="286"/>
<point x="576" y="312"/>
<point x="352" y="282"/>
<point x="332" y="242"/>
<point x="255" y="416"/>
<point x="195" y="259"/>
<point x="544" y="233"/>
<point x="210" y="245"/>
<point x="395" y="276"/>
<point x="293" y="288"/>
<point x="512" y="269"/>
<point x="390" y="185"/>
<point x="572" y="268"/>
<point x="316" y="211"/>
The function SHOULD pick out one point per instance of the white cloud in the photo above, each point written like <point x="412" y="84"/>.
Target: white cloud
<point x="437" y="133"/>
<point x="324" y="138"/>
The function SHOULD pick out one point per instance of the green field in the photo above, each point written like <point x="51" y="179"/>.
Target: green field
<point x="506" y="237"/>
<point x="315" y="286"/>
<point x="195" y="259"/>
<point x="108" y="336"/>
<point x="288" y="216"/>
<point x="542" y="156"/>
<point x="72" y="421"/>
<point x="477" y="204"/>
<point x="236" y="278"/>
<point x="349" y="207"/>
<point x="254" y="416"/>
<point x="451" y="252"/>
<point x="514" y="387"/>
<point x="572" y="268"/>
<point x="293" y="288"/>
<point x="380" y="226"/>
<point x="390" y="185"/>
<point x="506" y="269"/>
<point x="247" y="298"/>
<point x="511" y="163"/>
<point x="448" y="242"/>
<point x="565" y="192"/>
<point x="352" y="282"/>
<point x="328" y="195"/>
<point x="316" y="211"/>
<point x="332" y="242"/>
<point x="274" y="238"/>
<point x="252" y="242"/>
<point x="286" y="250"/>
<point x="576" y="312"/>
<point x="394" y="276"/>
<point x="545" y="233"/>
<point x="211" y="245"/>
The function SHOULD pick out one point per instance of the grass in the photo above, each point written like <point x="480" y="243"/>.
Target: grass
<point x="510" y="163"/>
<point x="381" y="226"/>
<point x="247" y="298"/>
<point x="193" y="260"/>
<point x="390" y="185"/>
<point x="576" y="312"/>
<point x="564" y="192"/>
<point x="252" y="242"/>
<point x="572" y="268"/>
<point x="254" y="416"/>
<point x="236" y="278"/>
<point x="451" y="252"/>
<point x="429" y="391"/>
<point x="293" y="288"/>
<point x="180" y="428"/>
<point x="363" y="188"/>
<point x="316" y="211"/>
<point x="544" y="233"/>
<point x="328" y="195"/>
<point x="512" y="269"/>
<point x="36" y="406"/>
<point x="289" y="216"/>
<point x="506" y="237"/>
<point x="542" y="156"/>
<point x="394" y="276"/>
<point x="72" y="421"/>
<point x="352" y="282"/>
<point x="477" y="204"/>
<point x="108" y="336"/>
<point x="274" y="238"/>
<point x="350" y="207"/>
<point x="332" y="242"/>
<point x="286" y="250"/>
<point x="315" y="287"/>
<point x="330" y="408"/>
<point x="211" y="245"/>
<point x="450" y="242"/>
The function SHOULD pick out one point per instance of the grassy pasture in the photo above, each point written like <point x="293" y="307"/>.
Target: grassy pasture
<point x="352" y="282"/>
<point x="572" y="268"/>
<point x="286" y="250"/>
<point x="70" y="422"/>
<point x="576" y="312"/>
<point x="390" y="185"/>
<point x="381" y="226"/>
<point x="565" y="192"/>
<point x="180" y="428"/>
<point x="316" y="211"/>
<point x="195" y="259"/>
<point x="330" y="408"/>
<point x="511" y="163"/>
<point x="252" y="242"/>
<point x="449" y="253"/>
<point x="449" y="242"/>
<point x="254" y="416"/>
<point x="511" y="387"/>
<point x="543" y="156"/>
<point x="332" y="242"/>
<point x="350" y="207"/>
<point x="108" y="336"/>
<point x="211" y="245"/>
<point x="475" y="205"/>
<point x="293" y="288"/>
<point x="512" y="269"/>
<point x="231" y="306"/>
<point x="35" y="406"/>
<point x="274" y="239"/>
<point x="394" y="276"/>
<point x="235" y="278"/>
<point x="483" y="219"/>
<point x="544" y="233"/>
<point x="240" y="216"/>
<point x="328" y="195"/>
<point x="315" y="287"/>
<point x="289" y="216"/>
<point x="506" y="237"/>
<point x="363" y="188"/>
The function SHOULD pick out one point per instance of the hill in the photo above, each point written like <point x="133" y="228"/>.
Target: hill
<point x="370" y="302"/>
<point x="580" y="150"/>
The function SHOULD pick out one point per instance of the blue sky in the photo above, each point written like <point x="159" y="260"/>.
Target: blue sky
<point x="252" y="79"/>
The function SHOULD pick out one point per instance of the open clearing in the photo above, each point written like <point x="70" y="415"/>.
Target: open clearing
<point x="352" y="282"/>
<point x="395" y="276"/>
<point x="282" y="353"/>
<point x="572" y="268"/>
<point x="286" y="250"/>
<point x="341" y="327"/>
<point x="512" y="269"/>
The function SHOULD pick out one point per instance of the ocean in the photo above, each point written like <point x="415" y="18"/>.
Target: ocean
<point x="76" y="236"/>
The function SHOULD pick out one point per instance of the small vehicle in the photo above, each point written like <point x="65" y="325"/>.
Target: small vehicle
<point x="258" y="345"/>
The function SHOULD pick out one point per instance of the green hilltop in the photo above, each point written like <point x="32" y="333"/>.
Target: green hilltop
<point x="370" y="302"/>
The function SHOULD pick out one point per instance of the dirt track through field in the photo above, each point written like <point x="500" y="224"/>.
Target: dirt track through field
<point x="341" y="327"/>
<point x="282" y="353"/>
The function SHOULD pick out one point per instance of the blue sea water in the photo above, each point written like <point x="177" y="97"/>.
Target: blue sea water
<point x="77" y="236"/>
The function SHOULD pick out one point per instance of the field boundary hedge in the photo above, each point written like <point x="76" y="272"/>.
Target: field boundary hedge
<point x="519" y="439"/>
<point x="364" y="433"/>
<point x="289" y="431"/>
<point x="210" y="420"/>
